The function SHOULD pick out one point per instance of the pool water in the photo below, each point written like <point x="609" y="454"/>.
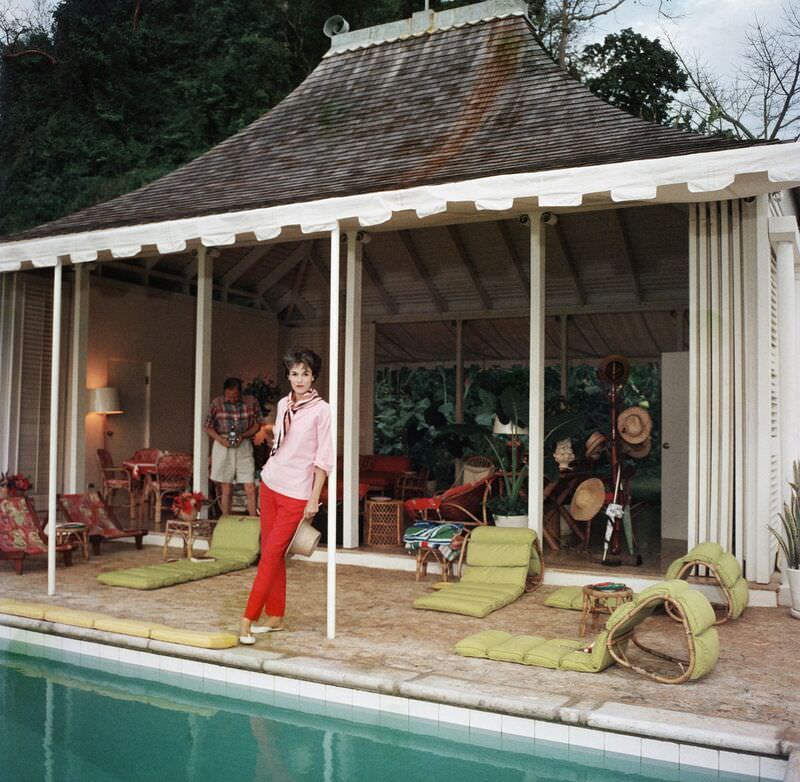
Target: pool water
<point x="64" y="722"/>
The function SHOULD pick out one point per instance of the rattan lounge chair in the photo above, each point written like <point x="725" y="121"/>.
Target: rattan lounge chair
<point x="496" y="566"/>
<point x="90" y="509"/>
<point x="613" y="644"/>
<point x="21" y="533"/>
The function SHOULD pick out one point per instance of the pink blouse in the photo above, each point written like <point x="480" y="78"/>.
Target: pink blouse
<point x="307" y="445"/>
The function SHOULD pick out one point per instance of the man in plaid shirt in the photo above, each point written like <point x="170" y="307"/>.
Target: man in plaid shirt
<point x="231" y="421"/>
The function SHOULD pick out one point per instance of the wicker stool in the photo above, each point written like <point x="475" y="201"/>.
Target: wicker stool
<point x="601" y="601"/>
<point x="384" y="522"/>
<point x="188" y="531"/>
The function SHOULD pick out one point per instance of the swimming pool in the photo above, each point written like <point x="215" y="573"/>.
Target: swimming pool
<point x="64" y="722"/>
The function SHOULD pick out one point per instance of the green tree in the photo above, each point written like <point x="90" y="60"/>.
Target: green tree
<point x="634" y="73"/>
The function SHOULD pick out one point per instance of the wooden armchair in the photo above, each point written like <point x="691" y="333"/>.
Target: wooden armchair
<point x="466" y="504"/>
<point x="115" y="478"/>
<point x="173" y="475"/>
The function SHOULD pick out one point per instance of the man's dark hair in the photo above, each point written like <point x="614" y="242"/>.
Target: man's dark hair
<point x="302" y="356"/>
<point x="232" y="382"/>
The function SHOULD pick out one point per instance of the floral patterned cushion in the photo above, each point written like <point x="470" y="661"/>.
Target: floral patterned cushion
<point x="18" y="528"/>
<point x="89" y="509"/>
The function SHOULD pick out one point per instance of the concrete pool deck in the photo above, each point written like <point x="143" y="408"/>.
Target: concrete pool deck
<point x="749" y="704"/>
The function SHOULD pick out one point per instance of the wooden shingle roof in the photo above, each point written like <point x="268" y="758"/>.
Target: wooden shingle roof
<point x="472" y="101"/>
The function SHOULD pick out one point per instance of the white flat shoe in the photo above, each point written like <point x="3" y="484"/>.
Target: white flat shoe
<point x="258" y="629"/>
<point x="247" y="640"/>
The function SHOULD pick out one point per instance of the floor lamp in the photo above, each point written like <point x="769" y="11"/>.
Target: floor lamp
<point x="105" y="402"/>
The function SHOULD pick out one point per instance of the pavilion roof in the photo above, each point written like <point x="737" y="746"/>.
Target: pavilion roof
<point x="476" y="99"/>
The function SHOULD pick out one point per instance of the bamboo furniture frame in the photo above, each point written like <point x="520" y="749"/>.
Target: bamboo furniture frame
<point x="723" y="613"/>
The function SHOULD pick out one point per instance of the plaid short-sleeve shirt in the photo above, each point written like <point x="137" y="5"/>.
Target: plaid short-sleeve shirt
<point x="224" y="415"/>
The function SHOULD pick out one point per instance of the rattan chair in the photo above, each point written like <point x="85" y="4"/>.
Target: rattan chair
<point x="115" y="478"/>
<point x="173" y="475"/>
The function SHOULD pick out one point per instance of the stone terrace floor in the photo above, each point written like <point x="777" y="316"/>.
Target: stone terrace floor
<point x="757" y="678"/>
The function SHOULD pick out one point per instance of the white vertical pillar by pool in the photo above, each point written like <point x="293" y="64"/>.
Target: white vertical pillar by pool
<point x="352" y="388"/>
<point x="784" y="237"/>
<point x="536" y="369"/>
<point x="459" y="400"/>
<point x="52" y="477"/>
<point x="333" y="401"/>
<point x="202" y="368"/>
<point x="79" y="349"/>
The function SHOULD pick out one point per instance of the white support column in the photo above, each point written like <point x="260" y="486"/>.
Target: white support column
<point x="564" y="362"/>
<point x="202" y="368"/>
<point x="333" y="401"/>
<point x="352" y="387"/>
<point x="77" y="406"/>
<point x="8" y="338"/>
<point x="536" y="369"/>
<point x="459" y="400"/>
<point x="785" y="241"/>
<point x="52" y="477"/>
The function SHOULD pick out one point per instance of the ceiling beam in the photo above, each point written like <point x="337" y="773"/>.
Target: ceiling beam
<point x="628" y="257"/>
<point x="300" y="302"/>
<point x="297" y="287"/>
<point x="569" y="262"/>
<point x="320" y="263"/>
<point x="550" y="311"/>
<point x="244" y="264"/>
<point x="469" y="265"/>
<point x="516" y="258"/>
<point x="281" y="269"/>
<point x="414" y="256"/>
<point x="377" y="283"/>
<point x="649" y="331"/>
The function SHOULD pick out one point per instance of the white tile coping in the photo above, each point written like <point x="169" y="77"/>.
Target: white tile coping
<point x="716" y="744"/>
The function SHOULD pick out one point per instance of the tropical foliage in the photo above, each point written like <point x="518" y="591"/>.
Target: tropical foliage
<point x="788" y="536"/>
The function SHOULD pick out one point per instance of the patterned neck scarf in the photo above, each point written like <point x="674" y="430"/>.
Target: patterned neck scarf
<point x="292" y="408"/>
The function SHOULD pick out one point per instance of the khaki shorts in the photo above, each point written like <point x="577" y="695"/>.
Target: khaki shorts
<point x="233" y="465"/>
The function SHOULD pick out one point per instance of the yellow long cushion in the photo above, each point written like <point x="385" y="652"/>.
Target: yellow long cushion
<point x="19" y="608"/>
<point x="205" y="640"/>
<point x="113" y="624"/>
<point x="70" y="616"/>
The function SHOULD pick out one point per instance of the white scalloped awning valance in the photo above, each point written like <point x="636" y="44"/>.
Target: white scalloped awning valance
<point x="639" y="180"/>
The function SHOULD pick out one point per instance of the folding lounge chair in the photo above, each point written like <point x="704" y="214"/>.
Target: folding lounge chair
<point x="466" y="503"/>
<point x="500" y="565"/>
<point x="723" y="570"/>
<point x="21" y="533"/>
<point x="91" y="510"/>
<point x="234" y="546"/>
<point x="612" y="644"/>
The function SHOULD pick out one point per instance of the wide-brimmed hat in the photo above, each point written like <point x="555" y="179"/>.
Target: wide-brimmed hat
<point x="613" y="370"/>
<point x="587" y="500"/>
<point x="305" y="540"/>
<point x="634" y="425"/>
<point x="595" y="443"/>
<point x="637" y="451"/>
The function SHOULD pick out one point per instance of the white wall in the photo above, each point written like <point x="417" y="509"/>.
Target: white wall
<point x="140" y="324"/>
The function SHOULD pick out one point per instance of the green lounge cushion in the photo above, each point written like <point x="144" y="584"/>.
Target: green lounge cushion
<point x="234" y="546"/>
<point x="478" y="644"/>
<point x="497" y="566"/>
<point x="577" y="655"/>
<point x="569" y="597"/>
<point x="740" y="594"/>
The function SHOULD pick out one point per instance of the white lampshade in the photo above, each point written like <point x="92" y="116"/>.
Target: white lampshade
<point x="104" y="400"/>
<point x="500" y="428"/>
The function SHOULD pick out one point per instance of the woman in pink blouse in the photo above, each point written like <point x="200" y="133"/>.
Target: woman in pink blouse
<point x="291" y="482"/>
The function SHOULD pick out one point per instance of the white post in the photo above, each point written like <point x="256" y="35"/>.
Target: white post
<point x="459" y="400"/>
<point x="564" y="356"/>
<point x="79" y="349"/>
<point x="202" y="368"/>
<point x="352" y="387"/>
<point x="333" y="401"/>
<point x="784" y="237"/>
<point x="52" y="477"/>
<point x="8" y="338"/>
<point x="536" y="369"/>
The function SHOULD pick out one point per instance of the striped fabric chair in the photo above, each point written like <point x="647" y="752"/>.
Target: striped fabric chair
<point x="90" y="509"/>
<point x="21" y="533"/>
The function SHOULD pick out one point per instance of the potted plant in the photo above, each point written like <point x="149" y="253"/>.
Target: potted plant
<point x="789" y="540"/>
<point x="186" y="505"/>
<point x="14" y="485"/>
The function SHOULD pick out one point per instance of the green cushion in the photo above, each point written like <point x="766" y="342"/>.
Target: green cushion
<point x="513" y="576"/>
<point x="740" y="594"/>
<point x="478" y="644"/>
<point x="454" y="603"/>
<point x="570" y="597"/>
<point x="726" y="565"/>
<point x="706" y="650"/>
<point x="234" y="546"/>
<point x="498" y="554"/>
<point x="551" y="653"/>
<point x="514" y="649"/>
<point x="589" y="662"/>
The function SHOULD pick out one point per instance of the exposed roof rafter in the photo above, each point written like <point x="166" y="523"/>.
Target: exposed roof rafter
<point x="413" y="254"/>
<point x="469" y="265"/>
<point x="377" y="283"/>
<point x="516" y="259"/>
<point x="627" y="255"/>
<point x="569" y="262"/>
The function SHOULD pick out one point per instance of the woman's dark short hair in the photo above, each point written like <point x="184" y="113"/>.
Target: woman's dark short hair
<point x="302" y="356"/>
<point x="232" y="382"/>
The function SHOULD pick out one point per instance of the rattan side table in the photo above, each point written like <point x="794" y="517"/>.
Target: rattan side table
<point x="188" y="531"/>
<point x="384" y="521"/>
<point x="601" y="601"/>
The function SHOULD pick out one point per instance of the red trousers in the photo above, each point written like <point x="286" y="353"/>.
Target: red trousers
<point x="280" y="516"/>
